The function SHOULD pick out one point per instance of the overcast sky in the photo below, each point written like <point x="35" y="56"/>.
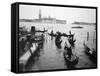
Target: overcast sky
<point x="66" y="13"/>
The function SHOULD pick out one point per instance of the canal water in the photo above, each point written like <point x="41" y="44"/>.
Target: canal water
<point x="51" y="57"/>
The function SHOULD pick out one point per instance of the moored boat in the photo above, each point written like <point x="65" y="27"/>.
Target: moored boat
<point x="91" y="53"/>
<point x="71" y="61"/>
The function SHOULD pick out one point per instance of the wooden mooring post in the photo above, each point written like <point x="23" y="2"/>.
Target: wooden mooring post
<point x="87" y="36"/>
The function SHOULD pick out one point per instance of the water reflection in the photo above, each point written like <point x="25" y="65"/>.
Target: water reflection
<point x="48" y="51"/>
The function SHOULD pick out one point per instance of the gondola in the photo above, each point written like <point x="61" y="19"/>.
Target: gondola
<point x="71" y="62"/>
<point x="64" y="34"/>
<point x="87" y="49"/>
<point x="52" y="34"/>
<point x="91" y="53"/>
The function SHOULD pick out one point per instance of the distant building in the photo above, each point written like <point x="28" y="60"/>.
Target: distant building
<point x="41" y="19"/>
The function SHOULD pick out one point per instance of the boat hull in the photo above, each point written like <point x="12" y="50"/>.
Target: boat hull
<point x="71" y="62"/>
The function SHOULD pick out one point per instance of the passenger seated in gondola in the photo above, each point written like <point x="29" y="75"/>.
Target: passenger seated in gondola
<point x="71" y="38"/>
<point x="68" y="50"/>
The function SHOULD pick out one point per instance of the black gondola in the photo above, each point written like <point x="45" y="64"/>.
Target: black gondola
<point x="70" y="58"/>
<point x="54" y="35"/>
<point x="91" y="53"/>
<point x="71" y="61"/>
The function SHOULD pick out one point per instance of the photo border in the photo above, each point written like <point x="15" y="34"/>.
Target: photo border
<point x="56" y="5"/>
